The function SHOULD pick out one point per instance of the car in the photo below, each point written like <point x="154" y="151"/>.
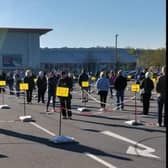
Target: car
<point x="130" y="74"/>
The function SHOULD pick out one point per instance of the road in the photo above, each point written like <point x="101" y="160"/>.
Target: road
<point x="101" y="138"/>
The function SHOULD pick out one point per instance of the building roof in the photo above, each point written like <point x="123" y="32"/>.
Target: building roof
<point x="33" y="30"/>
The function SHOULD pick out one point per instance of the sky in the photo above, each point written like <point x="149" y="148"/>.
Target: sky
<point x="90" y="23"/>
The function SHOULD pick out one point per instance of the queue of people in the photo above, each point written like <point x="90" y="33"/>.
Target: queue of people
<point x="107" y="82"/>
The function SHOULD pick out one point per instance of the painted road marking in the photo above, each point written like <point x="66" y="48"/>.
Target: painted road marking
<point x="133" y="149"/>
<point x="87" y="154"/>
<point x="100" y="160"/>
<point x="43" y="129"/>
<point x="8" y="121"/>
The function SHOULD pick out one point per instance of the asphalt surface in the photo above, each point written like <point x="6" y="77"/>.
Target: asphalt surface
<point x="99" y="138"/>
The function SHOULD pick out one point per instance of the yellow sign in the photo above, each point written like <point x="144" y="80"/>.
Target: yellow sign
<point x="135" y="88"/>
<point x="62" y="91"/>
<point x="24" y="86"/>
<point x="85" y="84"/>
<point x="93" y="78"/>
<point x="129" y="76"/>
<point x="2" y="83"/>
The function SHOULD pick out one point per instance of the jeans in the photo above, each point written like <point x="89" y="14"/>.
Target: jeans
<point x="146" y="103"/>
<point x="66" y="106"/>
<point x="103" y="98"/>
<point x="161" y="103"/>
<point x="120" y="99"/>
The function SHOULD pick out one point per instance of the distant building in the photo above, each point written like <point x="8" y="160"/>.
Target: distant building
<point x="20" y="49"/>
<point x="93" y="59"/>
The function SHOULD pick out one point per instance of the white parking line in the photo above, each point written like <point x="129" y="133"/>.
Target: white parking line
<point x="100" y="160"/>
<point x="134" y="150"/>
<point x="43" y="129"/>
<point x="87" y="154"/>
<point x="8" y="121"/>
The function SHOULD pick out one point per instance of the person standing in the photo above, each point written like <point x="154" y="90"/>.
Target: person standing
<point x="42" y="86"/>
<point x="161" y="90"/>
<point x="17" y="81"/>
<point x="10" y="82"/>
<point x="65" y="102"/>
<point x="52" y="84"/>
<point x="31" y="85"/>
<point x="102" y="85"/>
<point x="147" y="85"/>
<point x="2" y="78"/>
<point x="120" y="85"/>
<point x="111" y="80"/>
<point x="83" y="77"/>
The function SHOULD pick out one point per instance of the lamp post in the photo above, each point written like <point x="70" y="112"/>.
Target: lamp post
<point x="117" y="61"/>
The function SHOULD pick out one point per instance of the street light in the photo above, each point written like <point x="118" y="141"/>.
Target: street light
<point x="117" y="61"/>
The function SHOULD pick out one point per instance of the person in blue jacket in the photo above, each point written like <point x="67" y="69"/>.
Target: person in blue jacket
<point x="102" y="85"/>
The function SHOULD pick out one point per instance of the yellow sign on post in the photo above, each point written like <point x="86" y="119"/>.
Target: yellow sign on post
<point x="24" y="86"/>
<point x="93" y="78"/>
<point x="135" y="88"/>
<point x="62" y="91"/>
<point x="85" y="84"/>
<point x="2" y="83"/>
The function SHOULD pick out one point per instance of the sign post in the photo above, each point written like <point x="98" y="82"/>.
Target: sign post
<point x="24" y="87"/>
<point x="135" y="88"/>
<point x="62" y="92"/>
<point x="2" y="86"/>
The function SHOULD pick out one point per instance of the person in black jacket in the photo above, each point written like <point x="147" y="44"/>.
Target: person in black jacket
<point x="161" y="90"/>
<point x="83" y="77"/>
<point x="65" y="102"/>
<point x="52" y="84"/>
<point x="31" y="85"/>
<point x="10" y="82"/>
<point x="42" y="86"/>
<point x="2" y="78"/>
<point x="120" y="85"/>
<point x="147" y="85"/>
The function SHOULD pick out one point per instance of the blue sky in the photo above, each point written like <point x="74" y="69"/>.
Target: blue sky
<point x="90" y="23"/>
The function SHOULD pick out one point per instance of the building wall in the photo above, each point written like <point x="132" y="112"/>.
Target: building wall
<point x="19" y="50"/>
<point x="93" y="59"/>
